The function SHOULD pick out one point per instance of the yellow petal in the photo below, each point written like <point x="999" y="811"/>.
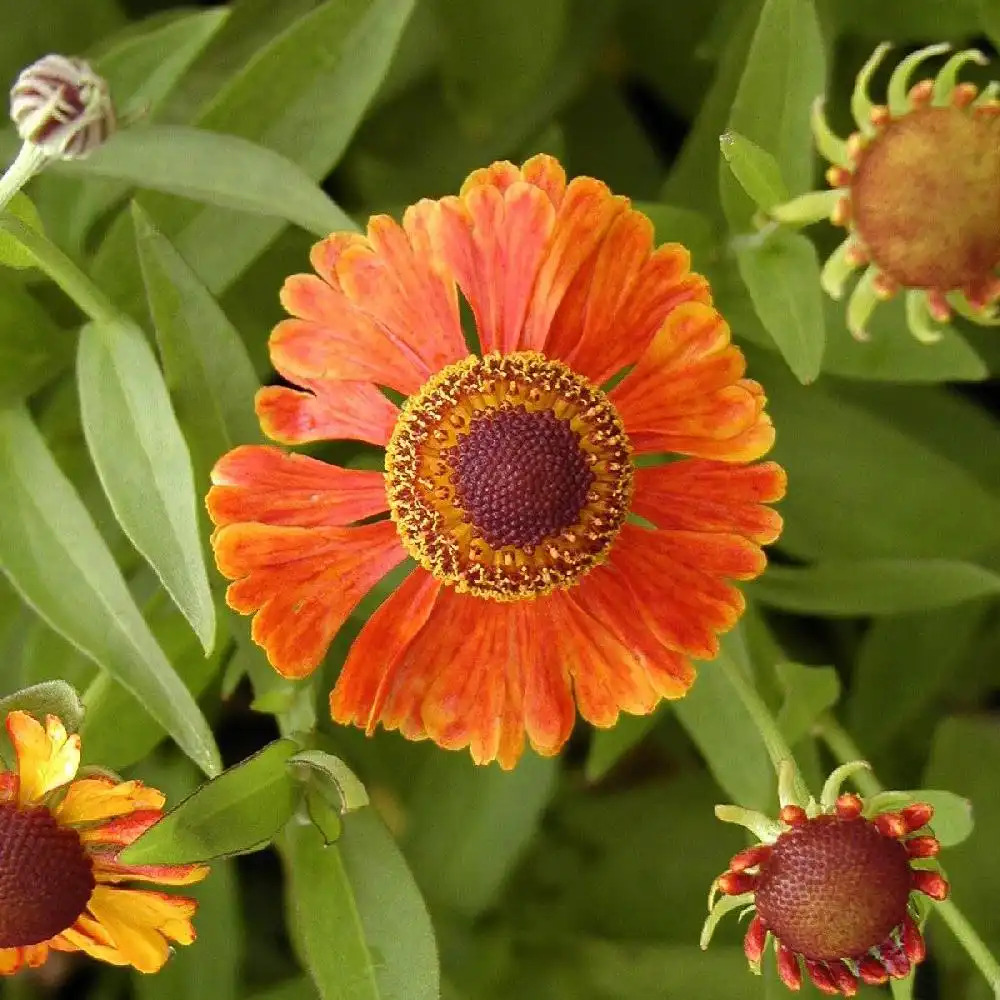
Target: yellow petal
<point x="46" y="758"/>
<point x="140" y="922"/>
<point x="92" y="799"/>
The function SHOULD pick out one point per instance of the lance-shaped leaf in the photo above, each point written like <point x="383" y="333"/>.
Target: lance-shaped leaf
<point x="143" y="462"/>
<point x="54" y="555"/>
<point x="239" y="811"/>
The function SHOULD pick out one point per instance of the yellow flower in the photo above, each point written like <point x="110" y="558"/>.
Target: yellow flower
<point x="61" y="884"/>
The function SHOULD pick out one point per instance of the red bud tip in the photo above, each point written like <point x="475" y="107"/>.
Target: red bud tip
<point x="880" y="115"/>
<point x="838" y="177"/>
<point x="841" y="213"/>
<point x="890" y="824"/>
<point x="846" y="982"/>
<point x="872" y="971"/>
<point x="922" y="847"/>
<point x="913" y="941"/>
<point x="736" y="883"/>
<point x="789" y="971"/>
<point x="754" y="941"/>
<point x="895" y="961"/>
<point x="749" y="858"/>
<point x="938" y="305"/>
<point x="849" y="806"/>
<point x="793" y="815"/>
<point x="917" y="815"/>
<point x="964" y="94"/>
<point x="821" y="977"/>
<point x="931" y="884"/>
<point x="921" y="93"/>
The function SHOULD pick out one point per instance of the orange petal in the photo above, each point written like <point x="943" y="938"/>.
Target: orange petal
<point x="608" y="677"/>
<point x="347" y="347"/>
<point x="141" y="923"/>
<point x="698" y="495"/>
<point x="602" y="594"/>
<point x="493" y="241"/>
<point x="47" y="757"/>
<point x="264" y="484"/>
<point x="370" y="671"/>
<point x="122" y="830"/>
<point x="327" y="410"/>
<point x="545" y="172"/>
<point x="584" y="217"/>
<point x="302" y="582"/>
<point x="675" y="583"/>
<point x="90" y="799"/>
<point x="686" y="393"/>
<point x="403" y="293"/>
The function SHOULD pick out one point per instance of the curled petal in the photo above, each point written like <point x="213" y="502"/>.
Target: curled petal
<point x="47" y="757"/>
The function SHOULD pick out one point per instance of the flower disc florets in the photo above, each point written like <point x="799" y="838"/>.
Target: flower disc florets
<point x="918" y="189"/>
<point x="46" y="877"/>
<point x="832" y="886"/>
<point x="508" y="476"/>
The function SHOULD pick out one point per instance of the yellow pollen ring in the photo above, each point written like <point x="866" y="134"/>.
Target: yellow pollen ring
<point x="464" y="540"/>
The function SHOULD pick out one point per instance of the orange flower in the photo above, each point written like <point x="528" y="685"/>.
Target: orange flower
<point x="60" y="880"/>
<point x="549" y="564"/>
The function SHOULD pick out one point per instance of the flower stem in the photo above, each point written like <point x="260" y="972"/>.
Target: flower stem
<point x="774" y="740"/>
<point x="62" y="270"/>
<point x="28" y="162"/>
<point x="843" y="747"/>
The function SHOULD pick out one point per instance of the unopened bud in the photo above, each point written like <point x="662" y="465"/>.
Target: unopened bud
<point x="62" y="107"/>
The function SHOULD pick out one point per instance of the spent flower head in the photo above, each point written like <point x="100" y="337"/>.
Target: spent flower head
<point x="832" y="884"/>
<point x="917" y="187"/>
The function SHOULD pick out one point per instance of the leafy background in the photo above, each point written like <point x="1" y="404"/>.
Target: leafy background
<point x="582" y="877"/>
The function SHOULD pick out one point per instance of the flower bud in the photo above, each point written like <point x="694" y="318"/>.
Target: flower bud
<point x="61" y="106"/>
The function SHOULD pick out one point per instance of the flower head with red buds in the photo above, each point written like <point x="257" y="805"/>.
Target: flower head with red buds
<point x="917" y="187"/>
<point x="831" y="883"/>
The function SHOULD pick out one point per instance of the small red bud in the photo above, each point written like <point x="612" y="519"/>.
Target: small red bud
<point x="849" y="806"/>
<point x="821" y="977"/>
<point x="789" y="971"/>
<point x="736" y="883"/>
<point x="890" y="824"/>
<point x="931" y="884"/>
<point x="922" y="847"/>
<point x="872" y="971"/>
<point x="913" y="941"/>
<point x="793" y="815"/>
<point x="917" y="815"/>
<point x="754" y="941"/>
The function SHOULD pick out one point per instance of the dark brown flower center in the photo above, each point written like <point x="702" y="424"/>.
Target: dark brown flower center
<point x="520" y="476"/>
<point x="925" y="198"/>
<point x="833" y="888"/>
<point x="508" y="476"/>
<point x="45" y="876"/>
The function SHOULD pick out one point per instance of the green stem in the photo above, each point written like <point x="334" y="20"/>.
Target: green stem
<point x="28" y="162"/>
<point x="843" y="747"/>
<point x="774" y="740"/>
<point x="61" y="270"/>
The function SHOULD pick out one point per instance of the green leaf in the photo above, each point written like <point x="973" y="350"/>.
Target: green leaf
<point x="782" y="276"/>
<point x="292" y="989"/>
<point x="33" y="349"/>
<point x="338" y="783"/>
<point x="144" y="67"/>
<point x="929" y="649"/>
<point x="143" y="462"/>
<point x="469" y="826"/>
<point x="118" y="731"/>
<point x="219" y="169"/>
<point x="325" y="921"/>
<point x="809" y="692"/>
<point x="515" y="41"/>
<point x="874" y="586"/>
<point x="729" y="741"/>
<point x="866" y="483"/>
<point x="342" y="48"/>
<point x="785" y="70"/>
<point x="48" y="698"/>
<point x="210" y="376"/>
<point x="56" y="559"/>
<point x="12" y="252"/>
<point x="397" y="927"/>
<point x="756" y="169"/>
<point x="239" y="811"/>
